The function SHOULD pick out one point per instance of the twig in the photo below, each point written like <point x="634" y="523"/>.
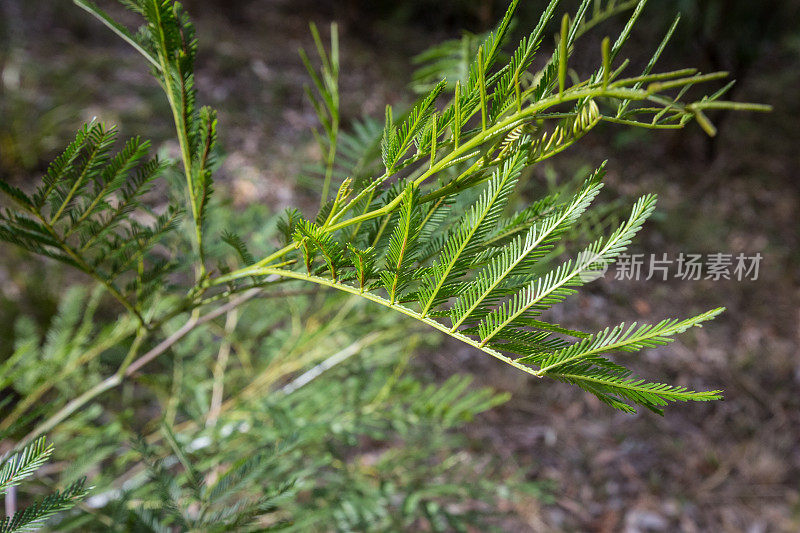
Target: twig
<point x="337" y="358"/>
<point x="11" y="500"/>
<point x="128" y="370"/>
<point x="190" y="324"/>
<point x="219" y="369"/>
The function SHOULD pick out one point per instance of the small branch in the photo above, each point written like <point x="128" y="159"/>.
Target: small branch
<point x="337" y="358"/>
<point x="219" y="369"/>
<point x="11" y="500"/>
<point x="126" y="370"/>
<point x="88" y="269"/>
<point x="78" y="183"/>
<point x="190" y="324"/>
<point x="89" y="355"/>
<point x="404" y="310"/>
<point x="70" y="408"/>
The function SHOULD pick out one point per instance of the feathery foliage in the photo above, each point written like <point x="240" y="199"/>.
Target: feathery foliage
<point x="420" y="224"/>
<point x="19" y="466"/>
<point x="486" y="276"/>
<point x="83" y="213"/>
<point x="24" y="464"/>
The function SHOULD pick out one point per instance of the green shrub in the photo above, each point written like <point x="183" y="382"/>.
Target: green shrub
<point x="249" y="385"/>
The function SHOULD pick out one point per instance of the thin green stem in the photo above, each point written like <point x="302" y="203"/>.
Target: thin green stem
<point x="563" y="51"/>
<point x="141" y="334"/>
<point x="329" y="161"/>
<point x="380" y="231"/>
<point x="120" y="30"/>
<point x="645" y="125"/>
<point x="397" y="307"/>
<point x="179" y="117"/>
<point x="75" y="186"/>
<point x="482" y="87"/>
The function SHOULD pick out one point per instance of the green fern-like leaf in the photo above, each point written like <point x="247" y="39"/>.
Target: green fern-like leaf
<point x="309" y="236"/>
<point x="403" y="247"/>
<point x="398" y="139"/>
<point x="21" y="465"/>
<point x="556" y="285"/>
<point x="519" y="255"/>
<point x="617" y="388"/>
<point x="620" y="338"/>
<point x="81" y="214"/>
<point x="32" y="518"/>
<point x="470" y="234"/>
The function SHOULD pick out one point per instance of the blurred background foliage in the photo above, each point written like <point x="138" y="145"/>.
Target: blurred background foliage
<point x="727" y="467"/>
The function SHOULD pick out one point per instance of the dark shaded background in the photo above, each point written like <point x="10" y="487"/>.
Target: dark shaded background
<point x="727" y="466"/>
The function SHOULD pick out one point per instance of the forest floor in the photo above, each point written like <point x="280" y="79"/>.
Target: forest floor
<point x="725" y="466"/>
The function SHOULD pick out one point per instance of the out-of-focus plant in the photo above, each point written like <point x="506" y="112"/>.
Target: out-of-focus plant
<point x="284" y="401"/>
